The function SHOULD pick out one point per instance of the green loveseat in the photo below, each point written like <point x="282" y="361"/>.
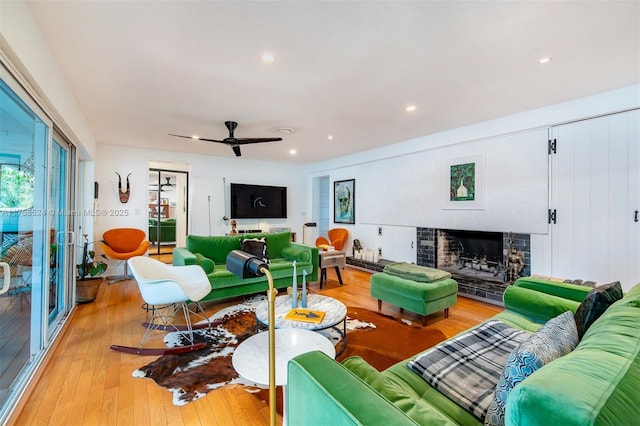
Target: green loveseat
<point x="596" y="384"/>
<point x="211" y="253"/>
<point x="167" y="230"/>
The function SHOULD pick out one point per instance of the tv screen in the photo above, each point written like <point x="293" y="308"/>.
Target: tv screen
<point x="258" y="201"/>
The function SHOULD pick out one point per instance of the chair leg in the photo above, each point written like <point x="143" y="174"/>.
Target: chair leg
<point x="379" y="304"/>
<point x="118" y="278"/>
<point x="161" y="316"/>
<point x="187" y="317"/>
<point x="187" y="321"/>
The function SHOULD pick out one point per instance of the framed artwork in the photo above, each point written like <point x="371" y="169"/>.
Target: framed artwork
<point x="464" y="183"/>
<point x="344" y="195"/>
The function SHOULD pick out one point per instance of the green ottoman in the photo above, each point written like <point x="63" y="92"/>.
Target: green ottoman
<point x="423" y="298"/>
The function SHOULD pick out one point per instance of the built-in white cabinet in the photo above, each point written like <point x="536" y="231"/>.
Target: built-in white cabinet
<point x="398" y="243"/>
<point x="595" y="195"/>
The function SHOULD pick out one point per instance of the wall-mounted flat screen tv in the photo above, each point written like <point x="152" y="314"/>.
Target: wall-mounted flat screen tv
<point x="258" y="201"/>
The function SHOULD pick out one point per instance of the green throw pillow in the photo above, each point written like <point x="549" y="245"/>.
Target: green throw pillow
<point x="410" y="271"/>
<point x="215" y="248"/>
<point x="276" y="242"/>
<point x="292" y="254"/>
<point x="205" y="263"/>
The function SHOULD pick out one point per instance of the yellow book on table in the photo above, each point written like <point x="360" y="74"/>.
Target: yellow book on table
<point x="305" y="315"/>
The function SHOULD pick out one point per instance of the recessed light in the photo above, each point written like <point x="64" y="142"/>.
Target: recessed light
<point x="268" y="57"/>
<point x="285" y="130"/>
<point x="410" y="108"/>
<point x="330" y="137"/>
<point x="293" y="152"/>
<point x="544" y="60"/>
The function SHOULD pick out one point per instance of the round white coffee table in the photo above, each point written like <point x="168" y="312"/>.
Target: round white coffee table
<point x="335" y="313"/>
<point x="251" y="357"/>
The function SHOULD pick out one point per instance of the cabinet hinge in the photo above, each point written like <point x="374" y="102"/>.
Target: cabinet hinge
<point x="552" y="146"/>
<point x="552" y="216"/>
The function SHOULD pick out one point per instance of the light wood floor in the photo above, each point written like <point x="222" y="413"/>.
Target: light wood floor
<point x="85" y="383"/>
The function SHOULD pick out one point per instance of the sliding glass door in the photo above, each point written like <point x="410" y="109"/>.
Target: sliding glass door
<point x="23" y="142"/>
<point x="62" y="241"/>
<point x="35" y="254"/>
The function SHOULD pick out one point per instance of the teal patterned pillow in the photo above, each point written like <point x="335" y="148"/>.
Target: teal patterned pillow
<point x="556" y="338"/>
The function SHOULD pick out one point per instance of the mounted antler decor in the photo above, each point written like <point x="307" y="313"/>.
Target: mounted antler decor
<point x="124" y="195"/>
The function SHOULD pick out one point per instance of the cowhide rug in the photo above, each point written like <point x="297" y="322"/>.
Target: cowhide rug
<point x="381" y="340"/>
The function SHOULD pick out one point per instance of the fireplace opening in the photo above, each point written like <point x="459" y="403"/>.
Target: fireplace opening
<point x="473" y="254"/>
<point x="475" y="259"/>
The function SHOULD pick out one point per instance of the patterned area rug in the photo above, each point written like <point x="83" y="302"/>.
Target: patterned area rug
<point x="379" y="339"/>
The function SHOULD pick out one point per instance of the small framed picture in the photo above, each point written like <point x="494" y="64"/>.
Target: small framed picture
<point x="344" y="196"/>
<point x="464" y="183"/>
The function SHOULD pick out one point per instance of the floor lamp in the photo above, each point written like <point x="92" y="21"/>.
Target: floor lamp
<point x="245" y="265"/>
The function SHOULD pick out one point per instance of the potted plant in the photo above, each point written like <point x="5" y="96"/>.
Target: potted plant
<point x="88" y="278"/>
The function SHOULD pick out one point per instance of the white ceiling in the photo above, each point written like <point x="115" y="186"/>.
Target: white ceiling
<point x="143" y="69"/>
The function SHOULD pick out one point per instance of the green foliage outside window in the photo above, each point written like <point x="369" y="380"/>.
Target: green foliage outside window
<point x="16" y="188"/>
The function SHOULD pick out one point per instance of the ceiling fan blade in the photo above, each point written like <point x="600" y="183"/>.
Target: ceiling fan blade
<point x="196" y="139"/>
<point x="244" y="141"/>
<point x="232" y="141"/>
<point x="180" y="136"/>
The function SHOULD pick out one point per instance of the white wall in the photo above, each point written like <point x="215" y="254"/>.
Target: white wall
<point x="26" y="44"/>
<point x="206" y="179"/>
<point x="413" y="189"/>
<point x="26" y="49"/>
<point x="402" y="184"/>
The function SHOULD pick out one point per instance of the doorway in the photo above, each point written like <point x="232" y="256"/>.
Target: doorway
<point x="324" y="204"/>
<point x="168" y="212"/>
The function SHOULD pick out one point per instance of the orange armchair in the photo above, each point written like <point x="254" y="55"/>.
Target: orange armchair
<point x="337" y="239"/>
<point x="123" y="244"/>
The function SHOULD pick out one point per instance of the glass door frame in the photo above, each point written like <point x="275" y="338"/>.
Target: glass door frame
<point x="64" y="239"/>
<point x="158" y="207"/>
<point x="41" y="332"/>
<point x="37" y="223"/>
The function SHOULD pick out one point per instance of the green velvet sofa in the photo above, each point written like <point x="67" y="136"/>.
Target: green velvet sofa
<point x="596" y="384"/>
<point x="211" y="252"/>
<point x="167" y="230"/>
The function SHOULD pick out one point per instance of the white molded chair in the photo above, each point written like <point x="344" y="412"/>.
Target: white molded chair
<point x="167" y="286"/>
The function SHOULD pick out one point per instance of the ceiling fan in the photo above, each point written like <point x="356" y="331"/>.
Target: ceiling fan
<point x="164" y="185"/>
<point x="232" y="141"/>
